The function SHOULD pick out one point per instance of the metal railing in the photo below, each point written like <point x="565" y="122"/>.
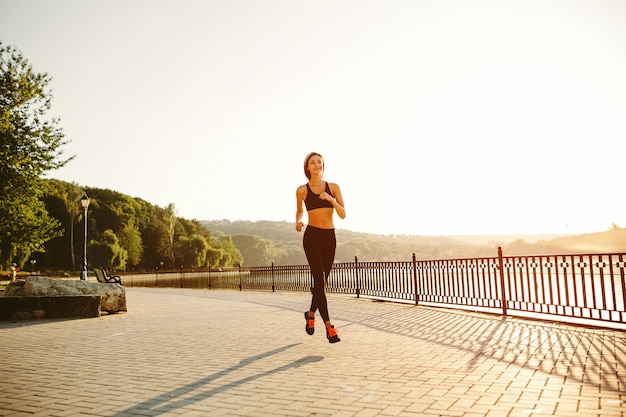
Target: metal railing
<point x="584" y="288"/>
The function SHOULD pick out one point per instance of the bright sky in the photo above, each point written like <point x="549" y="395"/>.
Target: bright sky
<point x="435" y="117"/>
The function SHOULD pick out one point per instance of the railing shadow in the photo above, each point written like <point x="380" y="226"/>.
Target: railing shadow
<point x="193" y="392"/>
<point x="558" y="351"/>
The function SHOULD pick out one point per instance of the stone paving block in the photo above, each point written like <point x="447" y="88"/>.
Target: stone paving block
<point x="43" y="413"/>
<point x="342" y="413"/>
<point x="419" y="406"/>
<point x="487" y="400"/>
<point x="367" y="413"/>
<point x="396" y="397"/>
<point x="392" y="410"/>
<point x="74" y="412"/>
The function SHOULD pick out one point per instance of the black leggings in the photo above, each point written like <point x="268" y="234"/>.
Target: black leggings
<point x="319" y="247"/>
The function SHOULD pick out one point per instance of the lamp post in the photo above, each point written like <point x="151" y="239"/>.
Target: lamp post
<point x="84" y="202"/>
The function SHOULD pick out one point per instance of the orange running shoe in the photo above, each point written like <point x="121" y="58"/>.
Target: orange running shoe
<point x="310" y="324"/>
<point x="331" y="334"/>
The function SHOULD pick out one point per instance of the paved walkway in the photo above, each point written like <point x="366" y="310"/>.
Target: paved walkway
<point x="228" y="353"/>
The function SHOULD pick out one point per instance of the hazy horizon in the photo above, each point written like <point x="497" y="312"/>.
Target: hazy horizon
<point x="479" y="236"/>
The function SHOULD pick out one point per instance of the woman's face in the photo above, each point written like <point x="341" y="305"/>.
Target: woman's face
<point x="316" y="165"/>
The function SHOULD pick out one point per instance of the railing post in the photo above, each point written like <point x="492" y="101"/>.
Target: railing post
<point x="502" y="287"/>
<point x="240" y="283"/>
<point x="356" y="274"/>
<point x="273" y="286"/>
<point x="415" y="287"/>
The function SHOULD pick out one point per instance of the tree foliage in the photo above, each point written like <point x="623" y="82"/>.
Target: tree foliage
<point x="68" y="195"/>
<point x="231" y="256"/>
<point x="258" y="251"/>
<point x="107" y="252"/>
<point x="130" y="239"/>
<point x="192" y="251"/>
<point x="30" y="146"/>
<point x="127" y="233"/>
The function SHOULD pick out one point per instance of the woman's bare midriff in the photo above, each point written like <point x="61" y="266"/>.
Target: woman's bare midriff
<point x="322" y="218"/>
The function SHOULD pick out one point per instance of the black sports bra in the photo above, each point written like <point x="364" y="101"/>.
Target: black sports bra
<point x="313" y="201"/>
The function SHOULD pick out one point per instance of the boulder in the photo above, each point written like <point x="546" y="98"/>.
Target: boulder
<point x="26" y="308"/>
<point x="112" y="296"/>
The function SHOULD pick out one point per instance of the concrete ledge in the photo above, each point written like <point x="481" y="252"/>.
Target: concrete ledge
<point x="27" y="308"/>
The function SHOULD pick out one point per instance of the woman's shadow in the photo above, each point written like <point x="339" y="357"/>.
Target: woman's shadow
<point x="177" y="398"/>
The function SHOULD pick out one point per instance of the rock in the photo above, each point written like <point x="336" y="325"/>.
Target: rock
<point x="112" y="296"/>
<point x="14" y="289"/>
<point x="27" y="308"/>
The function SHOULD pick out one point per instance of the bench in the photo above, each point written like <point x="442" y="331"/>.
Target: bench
<point x="102" y="276"/>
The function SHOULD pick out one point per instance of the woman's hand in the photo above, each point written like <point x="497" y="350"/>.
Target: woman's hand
<point x="325" y="196"/>
<point x="299" y="226"/>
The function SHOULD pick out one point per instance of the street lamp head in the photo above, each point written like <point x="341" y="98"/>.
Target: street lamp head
<point x="84" y="201"/>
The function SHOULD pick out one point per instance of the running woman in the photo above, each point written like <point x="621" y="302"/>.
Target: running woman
<point x="321" y="200"/>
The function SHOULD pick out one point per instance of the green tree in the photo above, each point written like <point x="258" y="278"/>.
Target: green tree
<point x="214" y="257"/>
<point x="111" y="209"/>
<point x="30" y="146"/>
<point x="69" y="194"/>
<point x="170" y="219"/>
<point x="255" y="250"/>
<point x="231" y="255"/>
<point x="192" y="251"/>
<point x="107" y="252"/>
<point x="156" y="245"/>
<point x="130" y="239"/>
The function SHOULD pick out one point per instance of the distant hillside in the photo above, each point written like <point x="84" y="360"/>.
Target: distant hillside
<point x="281" y="244"/>
<point x="281" y="237"/>
<point x="284" y="231"/>
<point x="490" y="239"/>
<point x="610" y="241"/>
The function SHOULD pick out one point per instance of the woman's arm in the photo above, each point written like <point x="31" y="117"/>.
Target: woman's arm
<point x="300" y="195"/>
<point x="337" y="201"/>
